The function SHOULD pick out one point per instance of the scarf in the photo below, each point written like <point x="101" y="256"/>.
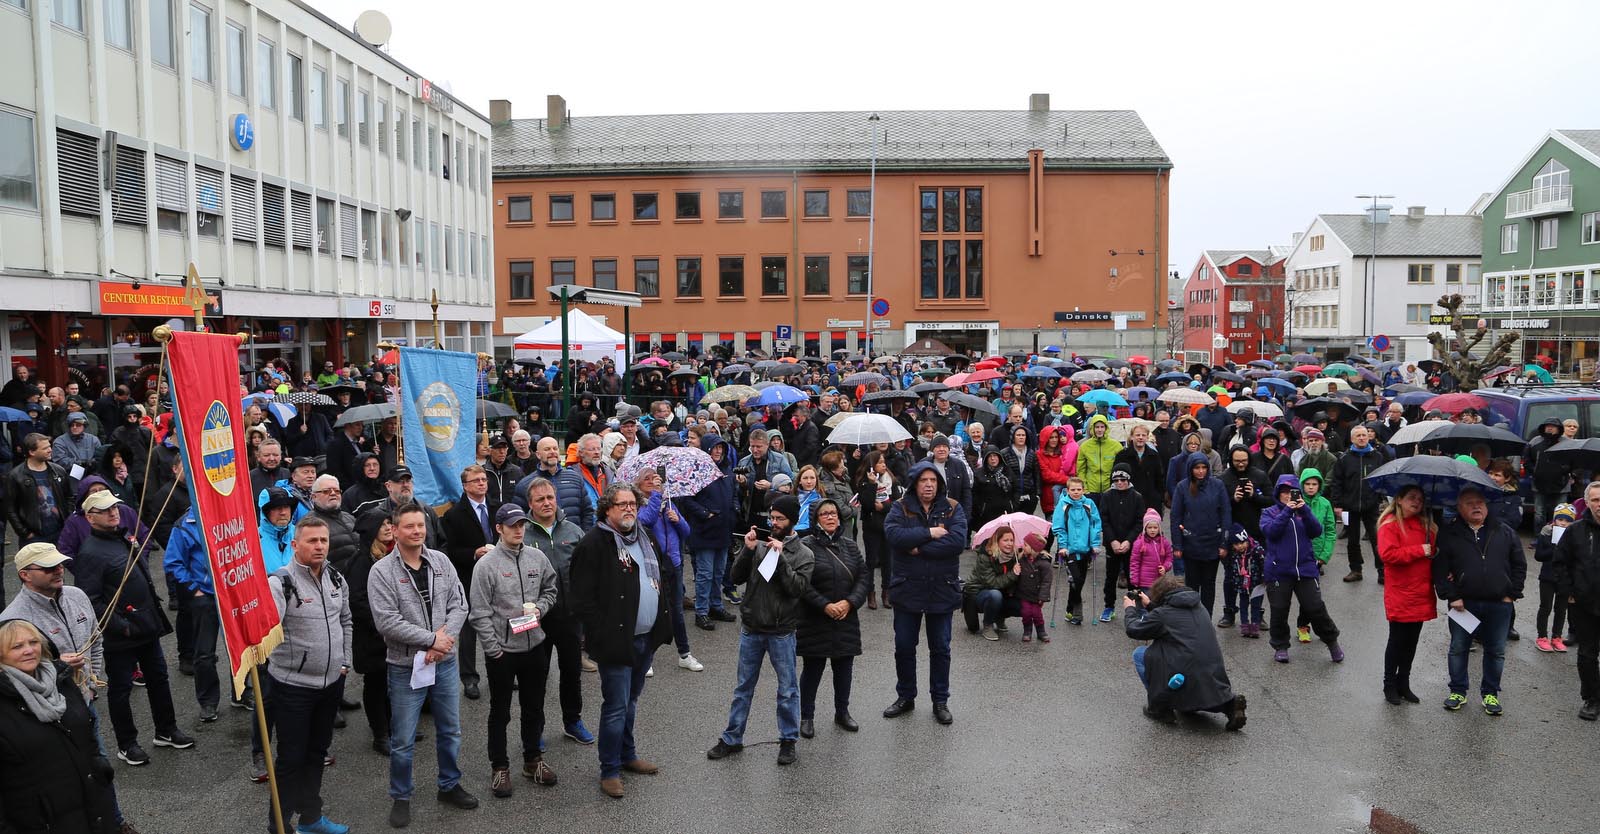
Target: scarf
<point x="652" y="567"/>
<point x="39" y="691"/>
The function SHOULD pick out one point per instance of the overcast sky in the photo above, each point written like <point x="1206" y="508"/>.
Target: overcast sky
<point x="1271" y="112"/>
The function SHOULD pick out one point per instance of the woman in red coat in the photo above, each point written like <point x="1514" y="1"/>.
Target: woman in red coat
<point x="1055" y="465"/>
<point x="1406" y="536"/>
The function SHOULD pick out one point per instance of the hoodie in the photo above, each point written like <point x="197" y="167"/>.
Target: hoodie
<point x="925" y="572"/>
<point x="276" y="549"/>
<point x="1202" y="513"/>
<point x="711" y="512"/>
<point x="1321" y="545"/>
<point x="1289" y="532"/>
<point x="1076" y="525"/>
<point x="1096" y="456"/>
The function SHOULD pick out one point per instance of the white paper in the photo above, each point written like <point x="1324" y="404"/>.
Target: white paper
<point x="1556" y="533"/>
<point x="1258" y="592"/>
<point x="1465" y="619"/>
<point x="769" y="564"/>
<point x="77" y="472"/>
<point x="1344" y="517"/>
<point x="422" y="672"/>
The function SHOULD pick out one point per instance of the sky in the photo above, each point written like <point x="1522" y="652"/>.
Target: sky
<point x="1272" y="112"/>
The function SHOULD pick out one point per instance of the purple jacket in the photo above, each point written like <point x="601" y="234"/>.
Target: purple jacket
<point x="669" y="535"/>
<point x="1289" y="534"/>
<point x="76" y="529"/>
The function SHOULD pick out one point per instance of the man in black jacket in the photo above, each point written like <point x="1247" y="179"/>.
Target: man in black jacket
<point x="1122" y="514"/>
<point x="1479" y="571"/>
<point x="342" y="453"/>
<point x="1349" y="493"/>
<point x="1549" y="475"/>
<point x="39" y="493"/>
<point x="503" y="473"/>
<point x="343" y="540"/>
<point x="1248" y="489"/>
<point x="469" y="533"/>
<point x="1146" y="467"/>
<point x="269" y="468"/>
<point x="1577" y="576"/>
<point x="957" y="477"/>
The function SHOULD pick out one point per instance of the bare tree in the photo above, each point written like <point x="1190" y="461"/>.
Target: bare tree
<point x="1460" y="363"/>
<point x="1177" y="327"/>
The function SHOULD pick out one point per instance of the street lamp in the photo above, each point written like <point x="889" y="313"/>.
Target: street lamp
<point x="1288" y="315"/>
<point x="872" y="218"/>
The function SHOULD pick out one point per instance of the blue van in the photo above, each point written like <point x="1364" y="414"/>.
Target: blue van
<point x="1522" y="408"/>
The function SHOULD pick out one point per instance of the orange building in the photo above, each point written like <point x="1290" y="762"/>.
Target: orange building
<point x="994" y="230"/>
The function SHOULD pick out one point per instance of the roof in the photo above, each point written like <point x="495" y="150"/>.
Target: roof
<point x="1222" y="257"/>
<point x="1589" y="140"/>
<point x="827" y="141"/>
<point x="1436" y="235"/>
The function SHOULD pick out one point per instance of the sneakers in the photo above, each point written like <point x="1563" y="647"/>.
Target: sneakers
<point x="1491" y="705"/>
<point x="650" y="673"/>
<point x="1543" y="644"/>
<point x="1590" y="710"/>
<point x="138" y="677"/>
<point x="400" y="813"/>
<point x="732" y="596"/>
<point x="1335" y="653"/>
<point x="208" y="714"/>
<point x="1077" y="619"/>
<point x="1558" y="644"/>
<point x="1250" y="630"/>
<point x="540" y="772"/>
<point x="459" y="798"/>
<point x="258" y="768"/>
<point x="579" y="733"/>
<point x="704" y="623"/>
<point x="323" y="825"/>
<point x="689" y="662"/>
<point x="500" y="783"/>
<point x="589" y="665"/>
<point x="988" y="633"/>
<point x="1455" y="702"/>
<point x="1281" y="655"/>
<point x="723" y="750"/>
<point x="1105" y="615"/>
<point x="134" y="755"/>
<point x="176" y="739"/>
<point x="786" y="754"/>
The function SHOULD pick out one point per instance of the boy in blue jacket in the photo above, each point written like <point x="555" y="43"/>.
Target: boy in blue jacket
<point x="1076" y="525"/>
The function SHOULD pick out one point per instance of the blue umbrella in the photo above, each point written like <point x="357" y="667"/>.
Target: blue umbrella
<point x="1410" y="398"/>
<point x="779" y="395"/>
<point x="1039" y="372"/>
<point x="1283" y="386"/>
<point x="1141" y="393"/>
<point x="1050" y="349"/>
<point x="11" y="415"/>
<point x="282" y="412"/>
<point x="1441" y="478"/>
<point x="1103" y="398"/>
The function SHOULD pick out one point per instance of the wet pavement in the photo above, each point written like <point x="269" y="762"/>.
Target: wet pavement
<point x="1046" y="737"/>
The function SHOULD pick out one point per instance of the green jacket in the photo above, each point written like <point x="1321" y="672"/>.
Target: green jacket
<point x="1096" y="457"/>
<point x="1321" y="546"/>
<point x="1320" y="462"/>
<point x="989" y="574"/>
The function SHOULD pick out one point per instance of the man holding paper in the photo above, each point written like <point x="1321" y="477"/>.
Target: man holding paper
<point x="1577" y="572"/>
<point x="777" y="573"/>
<point x="1479" y="571"/>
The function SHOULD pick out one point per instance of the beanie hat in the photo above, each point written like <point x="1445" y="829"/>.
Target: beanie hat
<point x="1566" y="511"/>
<point x="1313" y="433"/>
<point x="938" y="440"/>
<point x="1034" y="542"/>
<point x="781" y="480"/>
<point x="786" y="505"/>
<point x="1239" y="534"/>
<point x="1152" y="515"/>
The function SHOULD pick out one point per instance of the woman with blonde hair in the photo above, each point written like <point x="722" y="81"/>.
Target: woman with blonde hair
<point x="1406" y="544"/>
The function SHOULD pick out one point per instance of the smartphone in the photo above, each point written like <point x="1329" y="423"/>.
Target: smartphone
<point x="1294" y="495"/>
<point x="763" y="532"/>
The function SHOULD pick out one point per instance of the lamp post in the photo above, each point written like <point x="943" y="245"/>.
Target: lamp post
<point x="1371" y="273"/>
<point x="872" y="217"/>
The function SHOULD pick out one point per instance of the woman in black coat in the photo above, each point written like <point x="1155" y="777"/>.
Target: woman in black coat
<point x="367" y="649"/>
<point x="53" y="776"/>
<point x="1183" y="642"/>
<point x="991" y="489"/>
<point x="876" y="491"/>
<point x="831" y="629"/>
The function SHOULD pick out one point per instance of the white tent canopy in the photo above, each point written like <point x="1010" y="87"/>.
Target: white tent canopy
<point x="587" y="339"/>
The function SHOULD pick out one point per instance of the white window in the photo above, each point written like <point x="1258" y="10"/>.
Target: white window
<point x="234" y="38"/>
<point x="208" y="201"/>
<point x="19" y="177"/>
<point x="172" y="194"/>
<point x="341" y="107"/>
<point x="1508" y="237"/>
<point x="1591" y="227"/>
<point x="119" y="23"/>
<point x="161" y="49"/>
<point x="369" y="235"/>
<point x="363" y="108"/>
<point x="200" y="43"/>
<point x="1474" y="273"/>
<point x="319" y="96"/>
<point x="1548" y="227"/>
<point x="68" y="13"/>
<point x="1419" y="273"/>
<point x="383" y="126"/>
<point x="266" y="74"/>
<point x="1417" y="313"/>
<point x="296" y="94"/>
<point x="1553" y="175"/>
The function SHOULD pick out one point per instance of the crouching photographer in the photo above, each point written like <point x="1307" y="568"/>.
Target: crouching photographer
<point x="1182" y="668"/>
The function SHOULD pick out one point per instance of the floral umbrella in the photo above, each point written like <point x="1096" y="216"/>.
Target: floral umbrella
<point x="688" y="470"/>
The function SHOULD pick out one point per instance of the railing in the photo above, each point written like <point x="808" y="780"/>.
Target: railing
<point x="1550" y="199"/>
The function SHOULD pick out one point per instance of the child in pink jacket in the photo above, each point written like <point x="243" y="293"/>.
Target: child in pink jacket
<point x="1152" y="554"/>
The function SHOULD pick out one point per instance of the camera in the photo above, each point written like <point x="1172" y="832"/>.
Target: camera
<point x="1295" y="495"/>
<point x="1133" y="594"/>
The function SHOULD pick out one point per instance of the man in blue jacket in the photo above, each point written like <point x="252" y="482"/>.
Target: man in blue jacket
<point x="927" y="532"/>
<point x="710" y="513"/>
<point x="187" y="563"/>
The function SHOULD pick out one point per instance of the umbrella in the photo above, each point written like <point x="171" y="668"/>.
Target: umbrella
<point x="688" y="372"/>
<point x="1116" y="363"/>
<point x="1543" y="375"/>
<point x="1352" y="396"/>
<point x="765" y="384"/>
<point x="1260" y="409"/>
<point x="1578" y="454"/>
<point x="1431" y="365"/>
<point x="983" y="375"/>
<point x="673" y="356"/>
<point x="1171" y="376"/>
<point x="863" y="429"/>
<point x="956" y="380"/>
<point x="1409" y="398"/>
<point x="885" y="360"/>
<point x="688" y="470"/>
<point x="1282" y="385"/>
<point x="837" y="418"/>
<point x="1453" y="404"/>
<point x="1139" y="359"/>
<point x="934" y="372"/>
<point x="1339" y="369"/>
<point x="929" y="388"/>
<point x="734" y="369"/>
<point x="1140" y="392"/>
<point x="1020" y="523"/>
<point x="966" y="400"/>
<point x="730" y="394"/>
<point x="779" y="395"/>
<point x="282" y="412"/>
<point x="304" y="398"/>
<point x="1048" y="362"/>
<point x="1283" y="359"/>
<point x="1369" y="376"/>
<point x="645" y="366"/>
<point x="1441" y="478"/>
<point x="1309" y="369"/>
<point x="12" y="415"/>
<point x="1120" y="429"/>
<point x="491" y="410"/>
<point x="1090" y="376"/>
<point x="1334" y="408"/>
<point x="342" y="388"/>
<point x="1412" y="433"/>
<point x="1185" y="396"/>
<point x="391" y="357"/>
<point x="1499" y="372"/>
<point x="655" y="360"/>
<point x="1227" y="376"/>
<point x="1461" y="437"/>
<point x="365" y="414"/>
<point x="1103" y="398"/>
<point x="1358" y="359"/>
<point x="1261" y="363"/>
<point x="1041" y="372"/>
<point x="765" y="364"/>
<point x="1050" y="349"/>
<point x="1306" y="359"/>
<point x="864" y="378"/>
<point x="1326" y="385"/>
<point x="790" y="369"/>
<point x="1404" y="388"/>
<point x="885" y="396"/>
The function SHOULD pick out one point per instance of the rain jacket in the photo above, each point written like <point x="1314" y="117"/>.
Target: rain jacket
<point x="1408" y="572"/>
<point x="925" y="573"/>
<point x="1200" y="520"/>
<point x="1289" y="533"/>
<point x="276" y="543"/>
<point x="1321" y="545"/>
<point x="1151" y="554"/>
<point x="669" y="534"/>
<point x="1097" y="456"/>
<point x="1076" y="525"/>
<point x="711" y="512"/>
<point x="1054" y="469"/>
<point x="1183" y="641"/>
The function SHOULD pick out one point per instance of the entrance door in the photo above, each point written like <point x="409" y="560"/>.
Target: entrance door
<point x="965" y="342"/>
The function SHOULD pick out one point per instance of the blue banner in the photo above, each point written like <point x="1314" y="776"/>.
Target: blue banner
<point x="439" y="408"/>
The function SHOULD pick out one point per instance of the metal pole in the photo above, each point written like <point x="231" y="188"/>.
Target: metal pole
<point x="872" y="219"/>
<point x="797" y="272"/>
<point x="627" y="351"/>
<point x="566" y="368"/>
<point x="266" y="741"/>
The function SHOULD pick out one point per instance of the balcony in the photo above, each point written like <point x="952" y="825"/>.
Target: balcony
<point x="1538" y="202"/>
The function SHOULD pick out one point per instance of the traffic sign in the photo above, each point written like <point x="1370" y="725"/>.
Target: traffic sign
<point x="1379" y="343"/>
<point x="880" y="306"/>
<point x="1219" y="341"/>
<point x="783" y="332"/>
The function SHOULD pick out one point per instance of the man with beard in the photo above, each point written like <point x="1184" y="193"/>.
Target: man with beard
<point x="578" y="487"/>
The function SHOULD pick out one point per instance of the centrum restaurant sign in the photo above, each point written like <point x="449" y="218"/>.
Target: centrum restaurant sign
<point x="164" y="300"/>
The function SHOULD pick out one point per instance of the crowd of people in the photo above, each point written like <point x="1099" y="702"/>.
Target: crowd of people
<point x="1140" y="482"/>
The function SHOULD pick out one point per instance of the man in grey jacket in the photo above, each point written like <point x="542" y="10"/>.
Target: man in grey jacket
<point x="513" y="589"/>
<point x="308" y="670"/>
<point x="61" y="612"/>
<point x="555" y="537"/>
<point x="419" y="608"/>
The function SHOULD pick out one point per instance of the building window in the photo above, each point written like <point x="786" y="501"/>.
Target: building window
<point x="1238" y="321"/>
<point x="929" y="262"/>
<point x="1591" y="227"/>
<point x="386" y="234"/>
<point x="161" y="49"/>
<point x="319" y="97"/>
<point x="855" y="281"/>
<point x="1419" y="273"/>
<point x="78" y="159"/>
<point x="349" y="246"/>
<point x="1552" y="176"/>
<point x="242" y="210"/>
<point x="1238" y="347"/>
<point x="1244" y="270"/>
<point x="858" y="203"/>
<point x="774" y="205"/>
<point x="295" y="94"/>
<point x="68" y="13"/>
<point x="775" y="275"/>
<point x="341" y="108"/>
<point x="1508" y="237"/>
<point x="817" y="281"/>
<point x="234" y="38"/>
<point x="369" y="235"/>
<point x="730" y="205"/>
<point x="363" y="116"/>
<point x="560" y="208"/>
<point x="208" y="201"/>
<point x="605" y="273"/>
<point x="383" y="126"/>
<point x="603" y="207"/>
<point x="730" y="277"/>
<point x="266" y="74"/>
<point x="521" y="280"/>
<point x="647" y="277"/>
<point x="19" y="176"/>
<point x="172" y="195"/>
<point x="1548" y="227"/>
<point x="951" y="266"/>
<point x="646" y="206"/>
<point x="974" y="210"/>
<point x="688" y="277"/>
<point x="688" y="205"/>
<point x="199" y="38"/>
<point x="1452" y="273"/>
<point x="563" y="272"/>
<point x="300" y="215"/>
<point x="325" y="224"/>
<point x="816" y="203"/>
<point x="119" y="23"/>
<point x="1317" y="242"/>
<point x="519" y="209"/>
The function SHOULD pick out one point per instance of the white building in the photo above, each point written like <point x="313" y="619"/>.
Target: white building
<point x="323" y="189"/>
<point x="1419" y="257"/>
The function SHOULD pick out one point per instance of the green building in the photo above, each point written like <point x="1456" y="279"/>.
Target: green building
<point x="1541" y="252"/>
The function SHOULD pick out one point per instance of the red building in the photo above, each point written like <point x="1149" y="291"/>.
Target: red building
<point x="1233" y="306"/>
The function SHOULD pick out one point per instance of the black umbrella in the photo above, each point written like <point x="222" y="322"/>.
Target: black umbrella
<point x="929" y="387"/>
<point x="786" y="369"/>
<point x="1169" y="364"/>
<point x="971" y="401"/>
<point x="957" y="360"/>
<point x="885" y="396"/>
<point x="491" y="410"/>
<point x="336" y="390"/>
<point x="815" y="360"/>
<point x="1336" y="410"/>
<point x="673" y="356"/>
<point x="1353" y="396"/>
<point x="1264" y="364"/>
<point x="1358" y="359"/>
<point x="689" y="372"/>
<point x="1460" y="438"/>
<point x="864" y="378"/>
<point x="1578" y="454"/>
<point x="530" y="363"/>
<point x="1171" y="376"/>
<point x="1227" y="376"/>
<point x="1440" y="478"/>
<point x="1431" y="365"/>
<point x="735" y="368"/>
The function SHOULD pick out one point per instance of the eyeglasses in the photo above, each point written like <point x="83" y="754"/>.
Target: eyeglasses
<point x="626" y="505"/>
<point x="330" y="491"/>
<point x="41" y="569"/>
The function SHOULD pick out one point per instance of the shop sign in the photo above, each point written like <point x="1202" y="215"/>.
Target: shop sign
<point x="1077" y="315"/>
<point x="163" y="300"/>
<point x="845" y="324"/>
<point x="1524" y="324"/>
<point x="370" y="308"/>
<point x="434" y="97"/>
<point x="957" y="325"/>
<point x="1130" y="315"/>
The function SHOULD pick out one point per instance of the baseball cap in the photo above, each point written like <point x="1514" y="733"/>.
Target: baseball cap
<point x="498" y="441"/>
<point x="509" y="514"/>
<point x="43" y="554"/>
<point x="1240" y="535"/>
<point x="102" y="500"/>
<point x="77" y="417"/>
<point x="302" y="461"/>
<point x="399" y="473"/>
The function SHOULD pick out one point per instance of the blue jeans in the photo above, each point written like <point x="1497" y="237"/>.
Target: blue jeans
<point x="1494" y="622"/>
<point x="906" y="625"/>
<point x="752" y="648"/>
<point x="989" y="602"/>
<point x="405" y="705"/>
<point x="619" y="699"/>
<point x="710" y="565"/>
<point x="1138" y="665"/>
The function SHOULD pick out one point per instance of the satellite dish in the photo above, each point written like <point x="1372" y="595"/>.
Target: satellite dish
<point x="374" y="27"/>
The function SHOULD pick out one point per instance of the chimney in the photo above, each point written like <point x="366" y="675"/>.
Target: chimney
<point x="556" y="112"/>
<point x="1416" y="212"/>
<point x="499" y="111"/>
<point x="1039" y="102"/>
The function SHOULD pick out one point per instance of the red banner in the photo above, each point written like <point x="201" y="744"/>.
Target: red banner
<point x="205" y="393"/>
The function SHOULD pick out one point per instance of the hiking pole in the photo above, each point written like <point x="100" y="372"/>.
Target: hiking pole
<point x="1055" y="583"/>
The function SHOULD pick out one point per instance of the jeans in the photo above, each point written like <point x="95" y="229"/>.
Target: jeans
<point x="1309" y="593"/>
<point x="752" y="648"/>
<point x="906" y="625"/>
<point x="1201" y="575"/>
<point x="562" y="634"/>
<point x="672" y="586"/>
<point x="528" y="672"/>
<point x="1358" y="519"/>
<point x="1494" y="622"/>
<point x="710" y="566"/>
<point x="205" y="623"/>
<point x="620" y="686"/>
<point x="120" y="664"/>
<point x="1138" y="665"/>
<point x="811" y="669"/>
<point x="994" y="606"/>
<point x="405" y="704"/>
<point x="1544" y="503"/>
<point x="305" y="730"/>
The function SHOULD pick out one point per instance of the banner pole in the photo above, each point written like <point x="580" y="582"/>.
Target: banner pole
<point x="399" y="411"/>
<point x="266" y="743"/>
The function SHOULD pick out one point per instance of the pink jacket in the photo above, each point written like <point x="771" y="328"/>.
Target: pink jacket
<point x="1149" y="557"/>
